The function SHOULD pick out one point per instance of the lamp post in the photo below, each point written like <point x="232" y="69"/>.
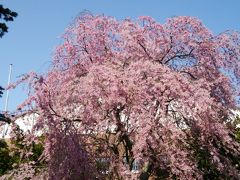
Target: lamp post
<point x="5" y="128"/>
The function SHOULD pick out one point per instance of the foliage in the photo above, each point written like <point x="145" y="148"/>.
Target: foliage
<point x="3" y="118"/>
<point x="5" y="15"/>
<point x="19" y="155"/>
<point x="5" y="162"/>
<point x="1" y="91"/>
<point x="156" y="94"/>
<point x="236" y="125"/>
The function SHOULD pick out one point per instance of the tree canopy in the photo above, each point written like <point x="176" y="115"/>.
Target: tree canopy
<point x="5" y="15"/>
<point x="1" y="91"/>
<point x="122" y="93"/>
<point x="2" y="116"/>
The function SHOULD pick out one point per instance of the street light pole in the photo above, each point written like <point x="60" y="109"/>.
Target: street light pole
<point x="5" y="128"/>
<point x="9" y="80"/>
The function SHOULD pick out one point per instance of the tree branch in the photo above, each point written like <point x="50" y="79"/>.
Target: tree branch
<point x="145" y="50"/>
<point x="191" y="75"/>
<point x="181" y="56"/>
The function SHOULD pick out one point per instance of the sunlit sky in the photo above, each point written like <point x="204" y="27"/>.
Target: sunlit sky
<point x="35" y="33"/>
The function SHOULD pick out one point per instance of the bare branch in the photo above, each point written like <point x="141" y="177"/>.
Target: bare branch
<point x="181" y="56"/>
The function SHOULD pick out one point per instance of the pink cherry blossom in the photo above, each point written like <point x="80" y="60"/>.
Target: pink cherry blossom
<point x="138" y="90"/>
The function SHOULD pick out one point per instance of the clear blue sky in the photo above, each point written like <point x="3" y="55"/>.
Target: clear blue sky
<point x="35" y="33"/>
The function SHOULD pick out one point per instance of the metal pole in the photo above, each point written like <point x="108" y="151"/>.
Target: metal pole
<point x="9" y="80"/>
<point x="7" y="99"/>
